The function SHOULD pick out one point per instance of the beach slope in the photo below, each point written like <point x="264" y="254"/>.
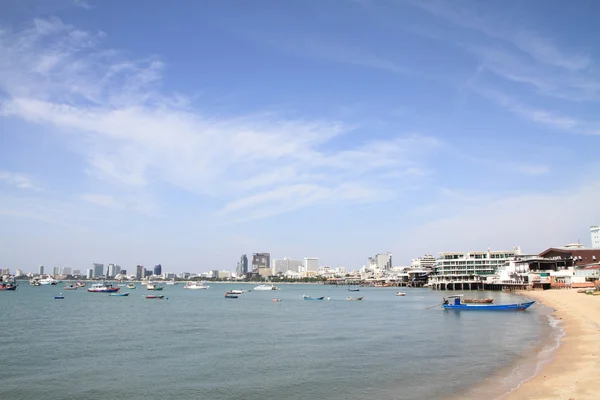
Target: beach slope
<point x="573" y="371"/>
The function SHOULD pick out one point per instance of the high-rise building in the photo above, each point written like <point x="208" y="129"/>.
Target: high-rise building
<point x="139" y="272"/>
<point x="41" y="270"/>
<point x="285" y="265"/>
<point x="56" y="271"/>
<point x="242" y="267"/>
<point x="66" y="271"/>
<point x="595" y="232"/>
<point x="261" y="264"/>
<point x="113" y="270"/>
<point x="76" y="272"/>
<point x="147" y="273"/>
<point x="381" y="262"/>
<point x="18" y="273"/>
<point x="157" y="269"/>
<point x="5" y="271"/>
<point x="123" y="271"/>
<point x="98" y="270"/>
<point x="311" y="264"/>
<point x="90" y="273"/>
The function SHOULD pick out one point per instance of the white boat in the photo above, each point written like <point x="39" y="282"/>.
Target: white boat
<point x="400" y="294"/>
<point x="196" y="285"/>
<point x="236" y="291"/>
<point x="266" y="287"/>
<point x="102" y="287"/>
<point x="172" y="283"/>
<point x="48" y="281"/>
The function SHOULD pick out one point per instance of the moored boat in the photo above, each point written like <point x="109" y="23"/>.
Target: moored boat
<point x="353" y="289"/>
<point x="305" y="297"/>
<point x="231" y="295"/>
<point x="59" y="297"/>
<point x="119" y="294"/>
<point x="478" y="301"/>
<point x="266" y="287"/>
<point x="400" y="294"/>
<point x="103" y="288"/>
<point x="131" y="286"/>
<point x="457" y="304"/>
<point x="354" y="298"/>
<point x="276" y="300"/>
<point x="195" y="285"/>
<point x="70" y="287"/>
<point x="153" y="296"/>
<point x="235" y="291"/>
<point x="8" y="285"/>
<point x="80" y="284"/>
<point x="154" y="286"/>
<point x="48" y="281"/>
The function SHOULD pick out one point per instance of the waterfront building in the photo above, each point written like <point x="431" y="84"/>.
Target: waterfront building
<point x="469" y="267"/>
<point x="122" y="271"/>
<point x="595" y="233"/>
<point x="242" y="267"/>
<point x="147" y="273"/>
<point x="139" y="272"/>
<point x="90" y="273"/>
<point x="18" y="273"/>
<point x="213" y="274"/>
<point x="41" y="270"/>
<point x="98" y="270"/>
<point x="425" y="262"/>
<point x="311" y="264"/>
<point x="261" y="264"/>
<point x="575" y="254"/>
<point x="56" y="271"/>
<point x="224" y="274"/>
<point x="66" y="271"/>
<point x="157" y="269"/>
<point x="5" y="271"/>
<point x="281" y="266"/>
<point x="76" y="272"/>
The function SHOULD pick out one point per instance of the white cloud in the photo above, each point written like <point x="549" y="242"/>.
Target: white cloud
<point x="535" y="221"/>
<point x="102" y="200"/>
<point x="19" y="180"/>
<point x="111" y="109"/>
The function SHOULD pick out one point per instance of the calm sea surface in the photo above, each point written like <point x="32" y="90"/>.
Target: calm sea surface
<point x="197" y="344"/>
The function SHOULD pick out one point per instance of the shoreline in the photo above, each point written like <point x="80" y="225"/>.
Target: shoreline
<point x="569" y="372"/>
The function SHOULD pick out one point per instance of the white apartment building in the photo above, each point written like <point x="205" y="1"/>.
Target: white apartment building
<point x="285" y="265"/>
<point x="311" y="264"/>
<point x="425" y="262"/>
<point x="595" y="233"/>
<point x="471" y="265"/>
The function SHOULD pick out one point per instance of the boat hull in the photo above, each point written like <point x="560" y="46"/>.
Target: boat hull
<point x="119" y="294"/>
<point x="489" y="307"/>
<point x="313" y="298"/>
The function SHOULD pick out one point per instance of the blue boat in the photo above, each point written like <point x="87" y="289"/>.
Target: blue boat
<point x="119" y="294"/>
<point x="59" y="297"/>
<point x="305" y="297"/>
<point x="458" y="305"/>
<point x="353" y="289"/>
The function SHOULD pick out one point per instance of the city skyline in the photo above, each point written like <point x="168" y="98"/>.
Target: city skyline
<point x="141" y="133"/>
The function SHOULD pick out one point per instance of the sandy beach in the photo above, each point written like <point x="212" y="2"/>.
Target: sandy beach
<point x="572" y="372"/>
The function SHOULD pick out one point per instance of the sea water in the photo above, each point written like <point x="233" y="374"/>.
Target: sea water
<point x="197" y="344"/>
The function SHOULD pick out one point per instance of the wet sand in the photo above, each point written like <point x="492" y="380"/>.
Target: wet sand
<point x="572" y="373"/>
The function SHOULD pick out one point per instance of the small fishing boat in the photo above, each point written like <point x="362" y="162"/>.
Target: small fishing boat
<point x="154" y="286"/>
<point x="457" y="304"/>
<point x="400" y="294"/>
<point x="71" y="287"/>
<point x="354" y="298"/>
<point x="231" y="296"/>
<point x="354" y="289"/>
<point x="153" y="296"/>
<point x="103" y="288"/>
<point x="235" y="291"/>
<point x="11" y="285"/>
<point x="80" y="284"/>
<point x="276" y="300"/>
<point x="478" y="301"/>
<point x="119" y="294"/>
<point x="131" y="286"/>
<point x="305" y="297"/>
<point x="59" y="297"/>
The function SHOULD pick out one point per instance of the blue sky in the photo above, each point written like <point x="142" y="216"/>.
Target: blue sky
<point x="190" y="133"/>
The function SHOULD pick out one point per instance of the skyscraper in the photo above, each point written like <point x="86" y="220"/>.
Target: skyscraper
<point x="242" y="267"/>
<point x="90" y="273"/>
<point x="41" y="270"/>
<point x="98" y="270"/>
<point x="139" y="272"/>
<point x="595" y="232"/>
<point x="157" y="269"/>
<point x="261" y="264"/>
<point x="112" y="270"/>
<point x="311" y="264"/>
<point x="66" y="271"/>
<point x="56" y="271"/>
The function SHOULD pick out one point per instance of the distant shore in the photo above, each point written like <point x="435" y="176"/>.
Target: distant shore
<point x="572" y="371"/>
